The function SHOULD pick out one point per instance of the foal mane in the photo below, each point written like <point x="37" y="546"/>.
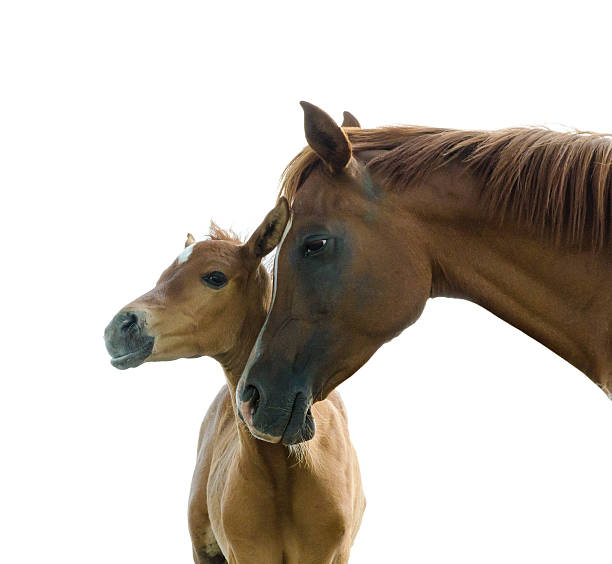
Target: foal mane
<point x="560" y="184"/>
<point x="216" y="233"/>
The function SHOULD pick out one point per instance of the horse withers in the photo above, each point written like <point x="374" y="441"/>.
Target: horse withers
<point x="250" y="501"/>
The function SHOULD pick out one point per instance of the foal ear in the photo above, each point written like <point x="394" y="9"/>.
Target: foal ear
<point x="190" y="240"/>
<point x="325" y="137"/>
<point x="270" y="232"/>
<point x="350" y="120"/>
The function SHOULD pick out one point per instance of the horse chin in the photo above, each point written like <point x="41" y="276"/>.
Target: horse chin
<point x="134" y="358"/>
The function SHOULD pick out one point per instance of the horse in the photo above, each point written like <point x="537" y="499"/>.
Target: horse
<point x="515" y="220"/>
<point x="250" y="502"/>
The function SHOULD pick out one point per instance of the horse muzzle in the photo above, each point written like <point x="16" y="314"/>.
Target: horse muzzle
<point x="274" y="423"/>
<point x="127" y="341"/>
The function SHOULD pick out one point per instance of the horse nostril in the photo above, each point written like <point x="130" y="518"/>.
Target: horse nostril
<point x="250" y="395"/>
<point x="130" y="321"/>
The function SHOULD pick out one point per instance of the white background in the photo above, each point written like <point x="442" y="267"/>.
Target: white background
<point x="125" y="124"/>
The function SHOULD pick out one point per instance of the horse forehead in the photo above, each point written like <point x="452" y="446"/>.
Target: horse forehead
<point x="327" y="199"/>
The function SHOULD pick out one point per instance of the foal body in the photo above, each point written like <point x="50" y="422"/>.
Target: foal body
<point x="258" y="502"/>
<point x="250" y="501"/>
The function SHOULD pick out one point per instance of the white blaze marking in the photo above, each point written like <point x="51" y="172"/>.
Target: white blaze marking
<point x="184" y="256"/>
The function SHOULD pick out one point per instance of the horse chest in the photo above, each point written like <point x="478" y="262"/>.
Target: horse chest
<point x="287" y="519"/>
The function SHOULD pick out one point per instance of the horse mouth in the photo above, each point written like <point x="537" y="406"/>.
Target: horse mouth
<point x="301" y="424"/>
<point x="133" y="358"/>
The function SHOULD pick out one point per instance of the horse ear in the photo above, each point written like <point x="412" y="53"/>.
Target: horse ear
<point x="190" y="240"/>
<point x="350" y="120"/>
<point x="270" y="232"/>
<point x="325" y="137"/>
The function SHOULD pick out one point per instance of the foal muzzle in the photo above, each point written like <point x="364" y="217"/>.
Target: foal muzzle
<point x="126" y="339"/>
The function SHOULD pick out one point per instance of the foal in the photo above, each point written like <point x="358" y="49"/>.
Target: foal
<point x="250" y="501"/>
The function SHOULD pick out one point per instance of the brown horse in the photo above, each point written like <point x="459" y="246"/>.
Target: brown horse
<point x="516" y="220"/>
<point x="250" y="502"/>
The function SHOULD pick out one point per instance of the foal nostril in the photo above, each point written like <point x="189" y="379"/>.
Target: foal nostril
<point x="130" y="321"/>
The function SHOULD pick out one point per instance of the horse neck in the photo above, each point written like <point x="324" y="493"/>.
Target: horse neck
<point x="560" y="297"/>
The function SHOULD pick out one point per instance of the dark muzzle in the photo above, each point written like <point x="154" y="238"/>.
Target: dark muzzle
<point x="271" y="420"/>
<point x="126" y="340"/>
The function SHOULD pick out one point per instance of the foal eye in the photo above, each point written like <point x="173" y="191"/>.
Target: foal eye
<point x="313" y="247"/>
<point x="215" y="279"/>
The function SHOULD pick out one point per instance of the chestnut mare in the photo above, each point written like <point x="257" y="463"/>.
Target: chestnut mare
<point x="250" y="502"/>
<point x="515" y="220"/>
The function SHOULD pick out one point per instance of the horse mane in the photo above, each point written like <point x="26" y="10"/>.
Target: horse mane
<point x="559" y="183"/>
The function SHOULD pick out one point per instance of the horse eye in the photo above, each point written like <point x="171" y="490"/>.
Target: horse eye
<point x="313" y="247"/>
<point x="215" y="279"/>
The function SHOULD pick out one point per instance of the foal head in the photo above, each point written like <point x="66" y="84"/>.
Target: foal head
<point x="202" y="301"/>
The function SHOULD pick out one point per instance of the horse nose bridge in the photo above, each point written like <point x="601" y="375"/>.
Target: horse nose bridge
<point x="268" y="375"/>
<point x="281" y="329"/>
<point x="282" y="341"/>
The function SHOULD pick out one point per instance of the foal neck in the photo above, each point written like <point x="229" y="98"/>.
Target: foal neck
<point x="258" y="296"/>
